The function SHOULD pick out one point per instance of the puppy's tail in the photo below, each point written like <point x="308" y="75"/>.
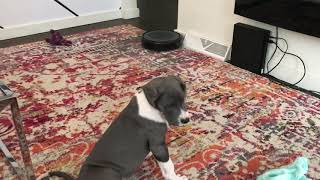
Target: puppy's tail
<point x="59" y="174"/>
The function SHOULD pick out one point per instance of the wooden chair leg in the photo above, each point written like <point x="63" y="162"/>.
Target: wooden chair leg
<point x="17" y="119"/>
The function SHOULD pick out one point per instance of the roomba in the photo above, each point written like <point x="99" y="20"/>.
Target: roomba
<point x="160" y="40"/>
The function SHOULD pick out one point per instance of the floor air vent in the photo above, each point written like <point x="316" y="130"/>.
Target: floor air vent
<point x="206" y="46"/>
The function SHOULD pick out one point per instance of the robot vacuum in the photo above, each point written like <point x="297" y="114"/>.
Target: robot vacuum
<point x="160" y="40"/>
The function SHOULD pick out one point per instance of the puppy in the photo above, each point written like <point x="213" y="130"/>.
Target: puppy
<point x="138" y="130"/>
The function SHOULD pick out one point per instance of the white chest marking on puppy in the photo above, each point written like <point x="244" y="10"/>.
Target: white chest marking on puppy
<point x="147" y="111"/>
<point x="167" y="170"/>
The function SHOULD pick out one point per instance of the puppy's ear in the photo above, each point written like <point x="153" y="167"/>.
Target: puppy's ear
<point x="152" y="95"/>
<point x="182" y="84"/>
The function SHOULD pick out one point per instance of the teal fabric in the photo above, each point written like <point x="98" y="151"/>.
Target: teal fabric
<point x="295" y="171"/>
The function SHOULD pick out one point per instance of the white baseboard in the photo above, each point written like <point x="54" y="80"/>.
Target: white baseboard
<point x="292" y="74"/>
<point x="45" y="26"/>
<point x="130" y="13"/>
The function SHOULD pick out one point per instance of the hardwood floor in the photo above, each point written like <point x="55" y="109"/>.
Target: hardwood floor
<point x="73" y="30"/>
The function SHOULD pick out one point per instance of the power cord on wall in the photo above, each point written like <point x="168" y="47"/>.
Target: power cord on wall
<point x="304" y="66"/>
<point x="276" y="42"/>
<point x="275" y="49"/>
<point x="285" y="52"/>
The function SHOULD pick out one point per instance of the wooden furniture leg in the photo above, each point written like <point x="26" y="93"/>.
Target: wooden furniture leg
<point x="17" y="119"/>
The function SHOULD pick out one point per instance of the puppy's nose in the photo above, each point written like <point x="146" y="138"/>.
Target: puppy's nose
<point x="185" y="121"/>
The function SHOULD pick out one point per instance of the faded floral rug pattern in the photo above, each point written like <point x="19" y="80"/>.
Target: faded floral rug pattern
<point x="242" y="124"/>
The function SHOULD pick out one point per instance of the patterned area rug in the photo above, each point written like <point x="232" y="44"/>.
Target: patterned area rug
<point x="242" y="124"/>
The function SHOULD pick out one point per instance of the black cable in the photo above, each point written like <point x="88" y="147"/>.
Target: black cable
<point x="64" y="6"/>
<point x="277" y="34"/>
<point x="268" y="62"/>
<point x="1" y="27"/>
<point x="304" y="66"/>
<point x="275" y="50"/>
<point x="284" y="53"/>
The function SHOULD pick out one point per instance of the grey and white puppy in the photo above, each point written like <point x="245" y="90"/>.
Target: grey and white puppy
<point x="138" y="130"/>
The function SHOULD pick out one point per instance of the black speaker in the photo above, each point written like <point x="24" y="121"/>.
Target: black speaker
<point x="158" y="14"/>
<point x="249" y="47"/>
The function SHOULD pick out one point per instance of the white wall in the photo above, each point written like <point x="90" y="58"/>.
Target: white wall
<point x="83" y="7"/>
<point x="214" y="19"/>
<point x="21" y="18"/>
<point x="17" y="12"/>
<point x="129" y="9"/>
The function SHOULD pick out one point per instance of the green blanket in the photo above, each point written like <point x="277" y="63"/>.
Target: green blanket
<point x="295" y="171"/>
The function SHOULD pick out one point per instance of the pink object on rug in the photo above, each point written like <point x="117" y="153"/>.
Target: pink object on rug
<point x="242" y="124"/>
<point x="57" y="39"/>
